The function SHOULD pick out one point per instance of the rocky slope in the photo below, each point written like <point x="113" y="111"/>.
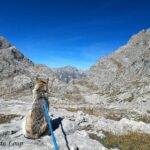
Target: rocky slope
<point x="13" y="69"/>
<point x="120" y="79"/>
<point x="129" y="63"/>
<point x="68" y="73"/>
<point x="17" y="72"/>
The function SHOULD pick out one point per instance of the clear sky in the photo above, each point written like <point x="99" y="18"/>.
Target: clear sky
<point x="71" y="32"/>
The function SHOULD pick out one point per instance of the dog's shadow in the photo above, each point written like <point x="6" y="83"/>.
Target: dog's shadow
<point x="55" y="125"/>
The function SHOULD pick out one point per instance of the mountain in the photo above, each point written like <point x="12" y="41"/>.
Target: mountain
<point x="68" y="73"/>
<point x="128" y="63"/>
<point x="17" y="72"/>
<point x="126" y="71"/>
<point x="121" y="79"/>
<point x="14" y="69"/>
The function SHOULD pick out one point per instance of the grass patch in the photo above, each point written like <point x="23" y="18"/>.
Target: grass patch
<point x="6" y="118"/>
<point x="74" y="97"/>
<point x="145" y="119"/>
<point x="131" y="98"/>
<point x="136" y="83"/>
<point x="130" y="141"/>
<point x="114" y="117"/>
<point x="94" y="137"/>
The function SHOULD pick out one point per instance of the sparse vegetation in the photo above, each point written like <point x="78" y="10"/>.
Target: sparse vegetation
<point x="114" y="117"/>
<point x="145" y="119"/>
<point x="114" y="93"/>
<point x="130" y="141"/>
<point x="96" y="113"/>
<point x="136" y="83"/>
<point x="6" y="118"/>
<point x="87" y="84"/>
<point x="131" y="98"/>
<point x="119" y="65"/>
<point x="148" y="111"/>
<point x="75" y="97"/>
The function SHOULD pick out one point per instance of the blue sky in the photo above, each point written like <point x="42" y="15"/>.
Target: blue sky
<point x="71" y="32"/>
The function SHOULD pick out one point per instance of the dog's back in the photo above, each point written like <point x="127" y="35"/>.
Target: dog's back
<point x="35" y="124"/>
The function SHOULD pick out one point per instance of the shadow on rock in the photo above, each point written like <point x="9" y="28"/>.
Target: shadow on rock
<point x="56" y="122"/>
<point x="55" y="125"/>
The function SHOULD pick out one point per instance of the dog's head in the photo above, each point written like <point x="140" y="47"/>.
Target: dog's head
<point x="40" y="88"/>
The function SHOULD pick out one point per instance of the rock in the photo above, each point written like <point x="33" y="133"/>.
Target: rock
<point x="69" y="126"/>
<point x="125" y="96"/>
<point x="80" y="117"/>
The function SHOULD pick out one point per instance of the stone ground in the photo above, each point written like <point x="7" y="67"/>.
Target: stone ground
<point x="72" y="129"/>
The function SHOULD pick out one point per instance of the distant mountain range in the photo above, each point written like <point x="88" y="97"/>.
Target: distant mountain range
<point x="68" y="73"/>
